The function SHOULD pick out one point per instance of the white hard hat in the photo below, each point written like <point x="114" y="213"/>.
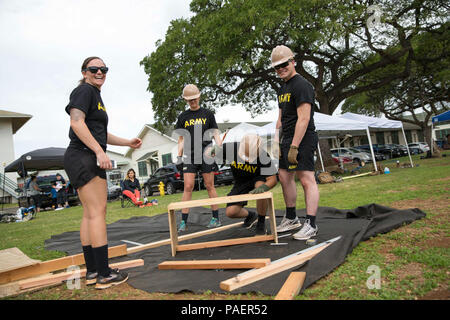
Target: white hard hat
<point x="281" y="54"/>
<point x="191" y="92"/>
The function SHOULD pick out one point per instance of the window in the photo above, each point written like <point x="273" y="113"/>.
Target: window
<point x="408" y="136"/>
<point x="394" y="137"/>
<point x="142" y="168"/>
<point x="380" y="137"/>
<point x="166" y="159"/>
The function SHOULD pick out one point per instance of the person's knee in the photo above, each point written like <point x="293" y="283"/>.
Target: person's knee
<point x="209" y="186"/>
<point x="232" y="211"/>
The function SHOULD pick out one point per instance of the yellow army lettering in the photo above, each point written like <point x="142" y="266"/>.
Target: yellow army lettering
<point x="193" y="122"/>
<point x="284" y="98"/>
<point x="244" y="167"/>
<point x="100" y="107"/>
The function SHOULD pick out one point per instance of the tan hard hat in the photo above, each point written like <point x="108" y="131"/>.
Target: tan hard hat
<point x="281" y="54"/>
<point x="249" y="147"/>
<point x="191" y="92"/>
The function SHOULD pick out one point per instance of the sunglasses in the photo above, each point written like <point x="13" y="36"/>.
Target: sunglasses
<point x="282" y="65"/>
<point x="104" y="70"/>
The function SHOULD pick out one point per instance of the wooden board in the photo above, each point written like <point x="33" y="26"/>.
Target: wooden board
<point x="275" y="267"/>
<point x="54" y="265"/>
<point x="211" y="201"/>
<point x="223" y="243"/>
<point x="292" y="286"/>
<point x="218" y="200"/>
<point x="13" y="258"/>
<point x="215" y="264"/>
<point x="63" y="276"/>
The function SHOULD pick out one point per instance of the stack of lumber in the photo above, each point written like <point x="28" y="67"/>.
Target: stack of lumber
<point x="19" y="273"/>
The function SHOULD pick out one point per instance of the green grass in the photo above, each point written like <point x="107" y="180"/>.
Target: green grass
<point x="398" y="253"/>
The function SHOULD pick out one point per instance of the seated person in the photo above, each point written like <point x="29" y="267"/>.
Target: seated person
<point x="253" y="172"/>
<point x="132" y="187"/>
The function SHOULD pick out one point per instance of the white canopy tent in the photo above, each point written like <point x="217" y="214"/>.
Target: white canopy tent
<point x="379" y="123"/>
<point x="238" y="132"/>
<point x="326" y="126"/>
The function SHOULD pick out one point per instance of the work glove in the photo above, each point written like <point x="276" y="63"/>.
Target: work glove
<point x="261" y="189"/>
<point x="292" y="155"/>
<point x="179" y="160"/>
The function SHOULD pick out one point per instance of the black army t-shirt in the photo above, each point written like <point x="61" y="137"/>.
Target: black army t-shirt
<point x="196" y="123"/>
<point x="87" y="98"/>
<point x="294" y="92"/>
<point x="243" y="171"/>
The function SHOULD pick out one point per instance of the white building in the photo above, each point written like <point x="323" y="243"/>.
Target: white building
<point x="10" y="123"/>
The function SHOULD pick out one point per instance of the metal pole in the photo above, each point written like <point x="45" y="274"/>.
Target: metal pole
<point x="407" y="148"/>
<point x="371" y="150"/>
<point x="320" y="156"/>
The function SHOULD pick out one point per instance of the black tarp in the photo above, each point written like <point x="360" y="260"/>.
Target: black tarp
<point x="40" y="159"/>
<point x="353" y="225"/>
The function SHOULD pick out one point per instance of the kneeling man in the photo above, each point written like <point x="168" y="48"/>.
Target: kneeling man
<point x="253" y="172"/>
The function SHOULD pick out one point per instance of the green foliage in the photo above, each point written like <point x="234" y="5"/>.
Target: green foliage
<point x="225" y="47"/>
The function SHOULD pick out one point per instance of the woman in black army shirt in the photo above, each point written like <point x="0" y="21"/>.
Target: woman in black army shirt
<point x="85" y="162"/>
<point x="196" y="126"/>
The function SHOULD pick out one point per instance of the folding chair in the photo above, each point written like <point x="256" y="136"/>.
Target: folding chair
<point x="125" y="202"/>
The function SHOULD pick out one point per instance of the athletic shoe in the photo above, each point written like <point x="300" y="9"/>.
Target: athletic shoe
<point x="250" y="220"/>
<point x="260" y="228"/>
<point x="182" y="226"/>
<point x="306" y="232"/>
<point x="214" y="223"/>
<point x="91" y="278"/>
<point x="116" y="277"/>
<point x="288" y="224"/>
<point x="60" y="208"/>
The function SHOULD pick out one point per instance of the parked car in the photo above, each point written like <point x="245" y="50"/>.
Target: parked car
<point x="388" y="152"/>
<point x="114" y="191"/>
<point x="422" y="146"/>
<point x="356" y="155"/>
<point x="223" y="175"/>
<point x="45" y="183"/>
<point x="338" y="159"/>
<point x="403" y="150"/>
<point x="172" y="179"/>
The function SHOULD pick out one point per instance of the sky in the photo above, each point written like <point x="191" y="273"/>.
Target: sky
<point x="43" y="44"/>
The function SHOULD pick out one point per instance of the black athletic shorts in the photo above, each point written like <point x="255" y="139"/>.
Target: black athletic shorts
<point x="81" y="166"/>
<point x="194" y="168"/>
<point x="305" y="156"/>
<point x="244" y="188"/>
<point x="37" y="200"/>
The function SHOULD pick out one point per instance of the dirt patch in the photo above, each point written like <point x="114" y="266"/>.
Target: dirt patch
<point x="439" y="293"/>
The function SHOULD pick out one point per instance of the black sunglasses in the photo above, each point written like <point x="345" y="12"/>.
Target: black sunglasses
<point x="104" y="70"/>
<point x="282" y="65"/>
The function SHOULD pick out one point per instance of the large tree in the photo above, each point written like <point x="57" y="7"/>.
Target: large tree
<point x="225" y="49"/>
<point x="424" y="92"/>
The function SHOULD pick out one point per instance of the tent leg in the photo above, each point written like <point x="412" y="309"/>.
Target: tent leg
<point x="371" y="150"/>
<point x="320" y="156"/>
<point x="407" y="148"/>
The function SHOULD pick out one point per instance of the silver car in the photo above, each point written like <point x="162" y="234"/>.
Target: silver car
<point x="356" y="155"/>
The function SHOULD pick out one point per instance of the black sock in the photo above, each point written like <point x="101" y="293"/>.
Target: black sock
<point x="184" y="217"/>
<point x="290" y="213"/>
<point x="261" y="219"/>
<point x="101" y="260"/>
<point x="312" y="220"/>
<point x="215" y="214"/>
<point x="89" y="259"/>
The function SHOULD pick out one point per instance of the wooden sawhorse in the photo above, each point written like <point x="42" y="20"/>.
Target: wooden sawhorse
<point x="220" y="200"/>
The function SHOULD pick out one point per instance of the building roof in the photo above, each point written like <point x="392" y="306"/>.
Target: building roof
<point x="17" y="119"/>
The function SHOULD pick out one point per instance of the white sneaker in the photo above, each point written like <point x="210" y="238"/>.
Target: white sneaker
<point x="306" y="232"/>
<point x="288" y="224"/>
